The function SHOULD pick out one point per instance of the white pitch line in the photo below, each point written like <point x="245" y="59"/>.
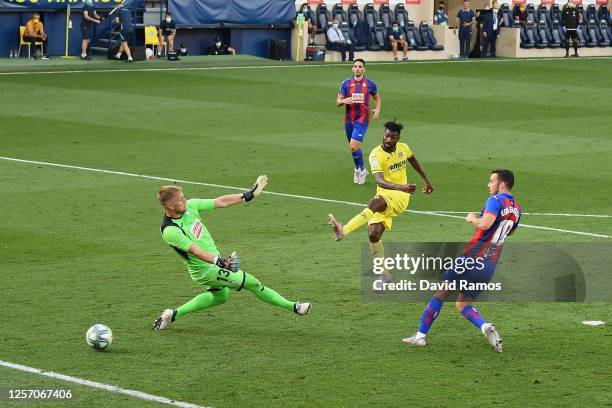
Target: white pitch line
<point x="329" y="64"/>
<point x="94" y="384"/>
<point x="536" y="213"/>
<point x="326" y="200"/>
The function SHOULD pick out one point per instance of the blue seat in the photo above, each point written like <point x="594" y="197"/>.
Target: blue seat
<point x="544" y="27"/>
<point x="354" y="15"/>
<point x="323" y="18"/>
<point x="338" y="13"/>
<point x="427" y="35"/>
<point x="370" y="16"/>
<point x="415" y="42"/>
<point x="384" y="15"/>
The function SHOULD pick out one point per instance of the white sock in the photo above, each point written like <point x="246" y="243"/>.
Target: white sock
<point x="83" y="55"/>
<point x="118" y="55"/>
<point x="420" y="335"/>
<point x="130" y="59"/>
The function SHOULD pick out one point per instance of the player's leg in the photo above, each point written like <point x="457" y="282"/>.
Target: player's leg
<point x="377" y="248"/>
<point x="210" y="298"/>
<point x="431" y="311"/>
<point x="575" y="42"/>
<point x="160" y="46"/>
<point x="377" y="204"/>
<point x="464" y="306"/>
<point x="269" y="295"/>
<point x="126" y="49"/>
<point x="394" y="49"/>
<point x="171" y="43"/>
<point x="567" y="41"/>
<point x="405" y="49"/>
<point x="357" y="136"/>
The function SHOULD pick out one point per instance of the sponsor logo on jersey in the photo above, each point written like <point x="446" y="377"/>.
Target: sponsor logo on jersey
<point x="197" y="229"/>
<point x="397" y="165"/>
<point x="358" y="97"/>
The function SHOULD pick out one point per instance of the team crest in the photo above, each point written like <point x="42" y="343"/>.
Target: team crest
<point x="401" y="154"/>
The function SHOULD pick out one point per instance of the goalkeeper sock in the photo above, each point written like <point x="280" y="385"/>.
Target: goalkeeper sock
<point x="377" y="249"/>
<point x="432" y="310"/>
<point x="473" y="316"/>
<point x="252" y="284"/>
<point x="355" y="156"/>
<point x="358" y="220"/>
<point x="202" y="301"/>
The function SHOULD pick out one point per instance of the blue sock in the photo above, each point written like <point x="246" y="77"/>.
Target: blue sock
<point x="473" y="316"/>
<point x="361" y="163"/>
<point x="356" y="157"/>
<point x="432" y="310"/>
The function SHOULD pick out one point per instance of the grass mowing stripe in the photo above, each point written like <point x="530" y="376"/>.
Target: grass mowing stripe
<point x="101" y="386"/>
<point x="328" y="200"/>
<point x="84" y="71"/>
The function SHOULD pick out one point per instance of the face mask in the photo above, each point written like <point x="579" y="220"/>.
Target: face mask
<point x="395" y="28"/>
<point x="218" y="44"/>
<point x="486" y="7"/>
<point x="35" y="20"/>
<point x="168" y="19"/>
<point x="304" y="10"/>
<point x="90" y="2"/>
<point x="335" y="25"/>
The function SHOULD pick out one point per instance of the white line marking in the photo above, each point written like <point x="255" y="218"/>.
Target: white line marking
<point x="328" y="64"/>
<point x="326" y="200"/>
<point x="94" y="384"/>
<point x="536" y="213"/>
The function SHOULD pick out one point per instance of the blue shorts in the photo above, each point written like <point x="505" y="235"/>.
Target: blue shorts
<point x="356" y="130"/>
<point x="87" y="31"/>
<point x="463" y="273"/>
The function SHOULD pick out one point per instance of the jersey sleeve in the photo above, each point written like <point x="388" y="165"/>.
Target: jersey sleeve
<point x="173" y="236"/>
<point x="200" y="205"/>
<point x="343" y="89"/>
<point x="492" y="206"/>
<point x="373" y="88"/>
<point x="408" y="152"/>
<point x="375" y="162"/>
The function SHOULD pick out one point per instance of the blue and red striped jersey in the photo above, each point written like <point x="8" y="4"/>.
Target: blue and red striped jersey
<point x="488" y="243"/>
<point x="360" y="91"/>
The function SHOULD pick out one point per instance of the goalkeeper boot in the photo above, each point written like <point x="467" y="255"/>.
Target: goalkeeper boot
<point x="415" y="340"/>
<point x="495" y="340"/>
<point x="337" y="227"/>
<point x="164" y="320"/>
<point x="301" y="309"/>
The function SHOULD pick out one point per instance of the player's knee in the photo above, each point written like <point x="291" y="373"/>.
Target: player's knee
<point x="221" y="296"/>
<point x="374" y="236"/>
<point x="461" y="305"/>
<point x="377" y="204"/>
<point x="251" y="283"/>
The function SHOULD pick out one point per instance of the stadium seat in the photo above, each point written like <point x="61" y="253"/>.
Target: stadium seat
<point x="339" y="14"/>
<point x="401" y="16"/>
<point x="370" y="16"/>
<point x="347" y="32"/>
<point x="544" y="27"/>
<point x="507" y="17"/>
<point x="380" y="38"/>
<point x="354" y="15"/>
<point x="594" y="27"/>
<point x="558" y="36"/>
<point x="361" y="34"/>
<point x="604" y="14"/>
<point x="532" y="30"/>
<point x="606" y="35"/>
<point x="414" y="39"/>
<point x="323" y="18"/>
<point x="384" y="15"/>
<point x="151" y="38"/>
<point x="29" y="44"/>
<point x="427" y="35"/>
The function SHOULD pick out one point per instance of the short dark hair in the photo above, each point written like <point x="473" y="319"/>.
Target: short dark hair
<point x="168" y="13"/>
<point x="395" y="22"/>
<point x="441" y="2"/>
<point x="36" y="13"/>
<point x="359" y="60"/>
<point x="506" y="176"/>
<point x="394" y="126"/>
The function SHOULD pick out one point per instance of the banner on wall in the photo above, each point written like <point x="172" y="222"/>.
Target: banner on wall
<point x="349" y="1"/>
<point x="316" y="1"/>
<point x="413" y="1"/>
<point x="196" y="12"/>
<point x="602" y="2"/>
<point x="53" y="4"/>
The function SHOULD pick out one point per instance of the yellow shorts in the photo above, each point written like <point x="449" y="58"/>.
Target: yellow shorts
<point x="397" y="202"/>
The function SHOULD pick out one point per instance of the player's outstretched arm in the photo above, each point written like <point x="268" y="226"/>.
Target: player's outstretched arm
<point x="428" y="189"/>
<point x="383" y="183"/>
<point x="231" y="199"/>
<point x="484" y="223"/>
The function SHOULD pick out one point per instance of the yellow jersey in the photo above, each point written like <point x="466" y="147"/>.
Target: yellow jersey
<point x="392" y="165"/>
<point x="34" y="28"/>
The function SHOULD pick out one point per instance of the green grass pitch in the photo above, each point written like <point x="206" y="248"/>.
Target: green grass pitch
<point x="79" y="247"/>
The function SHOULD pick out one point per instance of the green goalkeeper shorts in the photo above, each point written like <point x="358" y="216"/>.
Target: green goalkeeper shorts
<point x="216" y="278"/>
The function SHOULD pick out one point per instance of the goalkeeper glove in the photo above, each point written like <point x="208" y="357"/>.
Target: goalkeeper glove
<point x="257" y="188"/>
<point x="231" y="263"/>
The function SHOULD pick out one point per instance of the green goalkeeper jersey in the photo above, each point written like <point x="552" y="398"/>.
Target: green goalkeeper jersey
<point x="189" y="229"/>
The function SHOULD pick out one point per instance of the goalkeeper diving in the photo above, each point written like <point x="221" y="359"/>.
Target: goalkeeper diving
<point x="183" y="229"/>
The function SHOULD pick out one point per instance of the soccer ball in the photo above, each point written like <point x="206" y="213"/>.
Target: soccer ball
<point x="99" y="336"/>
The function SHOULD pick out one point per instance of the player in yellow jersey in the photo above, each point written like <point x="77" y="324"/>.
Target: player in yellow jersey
<point x="388" y="164"/>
